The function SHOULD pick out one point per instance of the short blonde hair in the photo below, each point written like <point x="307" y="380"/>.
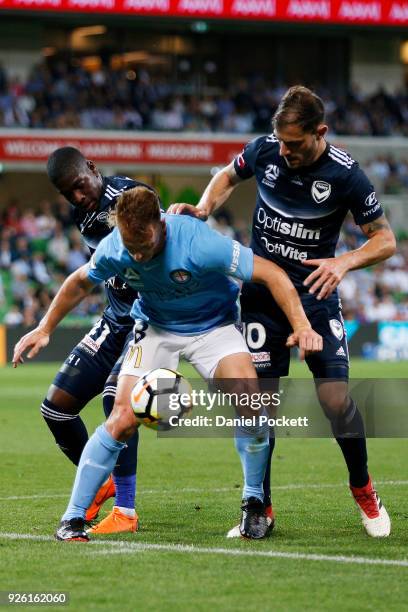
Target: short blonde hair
<point x="135" y="210"/>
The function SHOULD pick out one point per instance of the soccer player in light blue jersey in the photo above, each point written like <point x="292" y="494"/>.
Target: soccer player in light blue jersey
<point x="187" y="307"/>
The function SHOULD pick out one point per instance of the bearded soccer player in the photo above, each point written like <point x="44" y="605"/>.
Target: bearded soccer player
<point x="93" y="364"/>
<point x="187" y="307"/>
<point x="305" y="188"/>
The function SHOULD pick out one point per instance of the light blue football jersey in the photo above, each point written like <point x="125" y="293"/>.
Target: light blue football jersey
<point x="185" y="289"/>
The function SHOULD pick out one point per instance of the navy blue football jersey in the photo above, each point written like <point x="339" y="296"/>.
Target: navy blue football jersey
<point x="299" y="212"/>
<point x="94" y="227"/>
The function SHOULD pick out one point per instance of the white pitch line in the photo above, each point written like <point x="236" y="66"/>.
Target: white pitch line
<point x="121" y="547"/>
<point x="45" y="496"/>
<point x="288" y="487"/>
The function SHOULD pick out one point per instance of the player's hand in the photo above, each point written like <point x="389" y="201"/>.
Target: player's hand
<point x="187" y="209"/>
<point x="33" y="342"/>
<point x="307" y="340"/>
<point x="328" y="274"/>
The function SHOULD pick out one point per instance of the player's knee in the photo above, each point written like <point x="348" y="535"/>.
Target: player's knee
<point x="334" y="406"/>
<point x="122" y="422"/>
<point x="63" y="401"/>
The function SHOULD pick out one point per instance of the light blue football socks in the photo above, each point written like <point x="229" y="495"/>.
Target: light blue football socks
<point x="97" y="461"/>
<point x="252" y="444"/>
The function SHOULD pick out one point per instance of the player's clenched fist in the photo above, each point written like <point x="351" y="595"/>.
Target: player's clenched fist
<point x="187" y="209"/>
<point x="307" y="340"/>
<point x="35" y="340"/>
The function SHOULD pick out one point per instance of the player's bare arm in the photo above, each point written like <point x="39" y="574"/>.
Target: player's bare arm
<point x="216" y="193"/>
<point x="380" y="245"/>
<point x="70" y="294"/>
<point x="285" y="294"/>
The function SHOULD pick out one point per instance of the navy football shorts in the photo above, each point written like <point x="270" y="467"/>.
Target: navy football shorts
<point x="92" y="360"/>
<point x="266" y="335"/>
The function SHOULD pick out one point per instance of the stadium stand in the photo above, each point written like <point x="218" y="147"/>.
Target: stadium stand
<point x="39" y="247"/>
<point x="63" y="94"/>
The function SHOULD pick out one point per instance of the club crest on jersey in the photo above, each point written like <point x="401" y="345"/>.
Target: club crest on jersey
<point x="180" y="276"/>
<point x="336" y="328"/>
<point x="320" y="191"/>
<point x="103" y="216"/>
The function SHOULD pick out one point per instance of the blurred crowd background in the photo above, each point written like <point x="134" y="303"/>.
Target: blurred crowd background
<point x="39" y="247"/>
<point x="63" y="94"/>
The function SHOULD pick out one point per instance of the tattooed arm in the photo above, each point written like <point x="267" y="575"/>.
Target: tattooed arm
<point x="329" y="272"/>
<point x="380" y="245"/>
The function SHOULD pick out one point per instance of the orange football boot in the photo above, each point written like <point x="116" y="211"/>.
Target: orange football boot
<point x="115" y="522"/>
<point x="106" y="491"/>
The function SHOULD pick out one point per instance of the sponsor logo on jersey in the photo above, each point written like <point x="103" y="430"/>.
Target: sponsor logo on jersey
<point x="284" y="250"/>
<point x="116" y="283"/>
<point x="262" y="357"/>
<point x="320" y="191"/>
<point x="235" y="256"/>
<point x="295" y="230"/>
<point x="341" y="352"/>
<point x="180" y="276"/>
<point x="133" y="279"/>
<point x="87" y="221"/>
<point x="371" y="200"/>
<point x="254" y="8"/>
<point x="271" y="172"/>
<point x="131" y="274"/>
<point x="336" y="328"/>
<point x="90" y="343"/>
<point x="360" y="11"/>
<point x="368" y="213"/>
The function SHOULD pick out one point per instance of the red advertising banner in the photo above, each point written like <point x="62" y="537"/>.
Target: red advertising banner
<point x="15" y="147"/>
<point x="368" y="12"/>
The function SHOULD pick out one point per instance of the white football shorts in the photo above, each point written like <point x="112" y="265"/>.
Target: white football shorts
<point x="162" y="349"/>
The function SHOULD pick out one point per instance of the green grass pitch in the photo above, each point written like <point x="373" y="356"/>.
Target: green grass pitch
<point x="318" y="557"/>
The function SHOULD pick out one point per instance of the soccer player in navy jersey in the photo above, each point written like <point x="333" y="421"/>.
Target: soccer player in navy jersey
<point x="187" y="306"/>
<point x="93" y="364"/>
<point x="305" y="188"/>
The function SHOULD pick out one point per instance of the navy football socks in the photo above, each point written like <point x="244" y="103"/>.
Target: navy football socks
<point x="267" y="479"/>
<point x="350" y="435"/>
<point x="69" y="430"/>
